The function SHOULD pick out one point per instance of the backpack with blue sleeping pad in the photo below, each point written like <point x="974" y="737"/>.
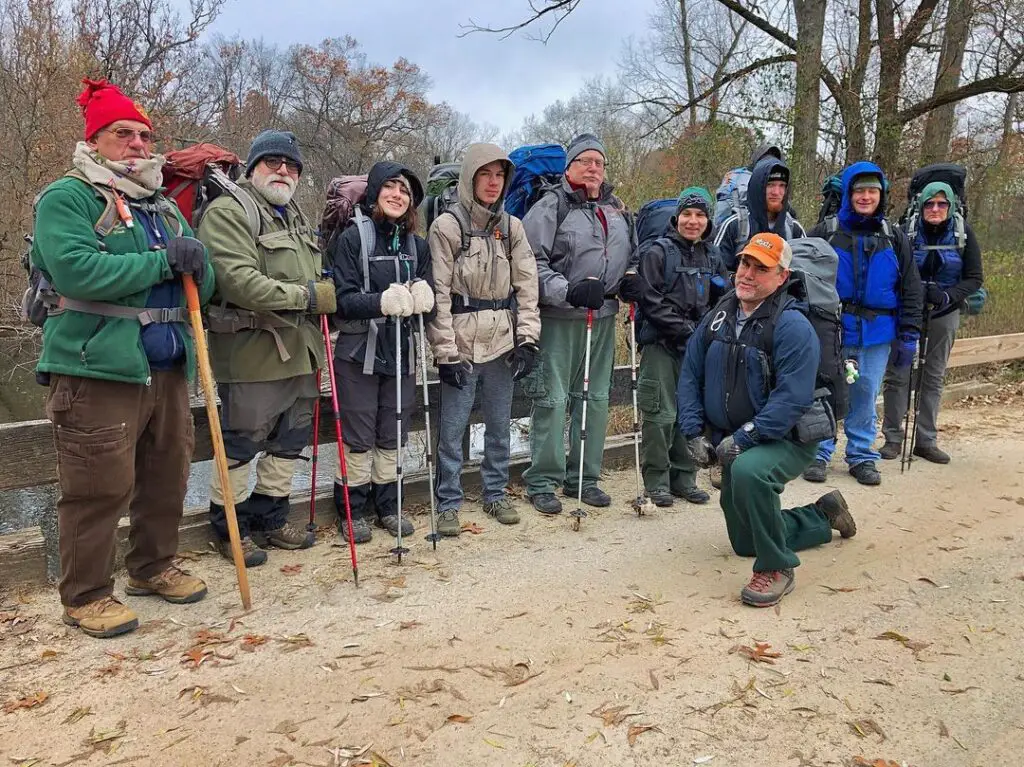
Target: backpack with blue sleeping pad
<point x="538" y="168"/>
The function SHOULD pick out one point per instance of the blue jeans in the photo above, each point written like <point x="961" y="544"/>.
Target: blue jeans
<point x="495" y="379"/>
<point x="861" y="422"/>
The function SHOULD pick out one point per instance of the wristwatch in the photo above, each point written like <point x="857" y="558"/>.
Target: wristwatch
<point x="751" y="431"/>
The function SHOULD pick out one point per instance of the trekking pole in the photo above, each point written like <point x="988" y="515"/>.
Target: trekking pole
<point x="579" y="513"/>
<point x="919" y="367"/>
<point x="311" y="527"/>
<point x="399" y="549"/>
<point x="325" y="330"/>
<point x="642" y="503"/>
<point x="216" y="436"/>
<point x="434" y="535"/>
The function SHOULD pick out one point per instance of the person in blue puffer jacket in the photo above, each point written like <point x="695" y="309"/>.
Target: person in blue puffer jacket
<point x="882" y="297"/>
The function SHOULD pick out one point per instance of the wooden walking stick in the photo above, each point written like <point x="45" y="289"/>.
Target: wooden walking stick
<point x="216" y="437"/>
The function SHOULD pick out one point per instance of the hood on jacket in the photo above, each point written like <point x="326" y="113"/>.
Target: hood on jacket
<point x="766" y="150"/>
<point x="476" y="157"/>
<point x="385" y="171"/>
<point x="756" y="197"/>
<point x="848" y="217"/>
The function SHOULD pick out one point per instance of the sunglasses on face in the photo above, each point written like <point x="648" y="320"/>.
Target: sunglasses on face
<point x="275" y="163"/>
<point x="129" y="134"/>
<point x="937" y="204"/>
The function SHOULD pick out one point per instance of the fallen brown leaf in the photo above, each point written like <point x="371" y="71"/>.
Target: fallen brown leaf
<point x="292" y="569"/>
<point x="761" y="652"/>
<point x="472" y="527"/>
<point x="458" y="719"/>
<point x="860" y="761"/>
<point x="636" y="730"/>
<point x="840" y="589"/>
<point x="29" y="701"/>
<point x="408" y="625"/>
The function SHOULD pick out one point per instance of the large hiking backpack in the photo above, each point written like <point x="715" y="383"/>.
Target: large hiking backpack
<point x="831" y="197"/>
<point x="654" y="219"/>
<point x="731" y="196"/>
<point x="442" y="190"/>
<point x="539" y="167"/>
<point x="344" y="193"/>
<point x="948" y="173"/>
<point x="195" y="176"/>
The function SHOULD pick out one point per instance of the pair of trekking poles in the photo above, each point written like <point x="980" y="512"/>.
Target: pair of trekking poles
<point x="914" y="397"/>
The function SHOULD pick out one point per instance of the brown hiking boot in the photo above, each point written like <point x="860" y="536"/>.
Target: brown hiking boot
<point x="290" y="537"/>
<point x="252" y="554"/>
<point x="768" y="588"/>
<point x="103" y="618"/>
<point x="716" y="476"/>
<point x="834" y="507"/>
<point x="173" y="584"/>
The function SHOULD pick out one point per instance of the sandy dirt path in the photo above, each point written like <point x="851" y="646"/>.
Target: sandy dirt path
<point x="535" y="645"/>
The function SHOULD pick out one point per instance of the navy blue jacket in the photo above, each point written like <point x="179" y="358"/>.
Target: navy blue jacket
<point x="779" y="390"/>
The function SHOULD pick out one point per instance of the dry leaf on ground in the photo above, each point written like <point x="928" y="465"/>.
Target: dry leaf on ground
<point x="636" y="730"/>
<point x="291" y="569"/>
<point x="29" y="701"/>
<point x="761" y="652"/>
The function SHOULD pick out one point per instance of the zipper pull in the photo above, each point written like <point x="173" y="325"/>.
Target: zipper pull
<point x="123" y="211"/>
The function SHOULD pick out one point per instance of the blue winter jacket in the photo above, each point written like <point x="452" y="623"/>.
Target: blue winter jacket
<point x="877" y="282"/>
<point x="725" y="381"/>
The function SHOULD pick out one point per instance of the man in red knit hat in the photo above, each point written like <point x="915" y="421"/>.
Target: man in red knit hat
<point x="117" y="356"/>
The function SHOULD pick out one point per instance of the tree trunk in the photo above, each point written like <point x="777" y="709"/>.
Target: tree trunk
<point x="810" y="22"/>
<point x="691" y="91"/>
<point x="938" y="128"/>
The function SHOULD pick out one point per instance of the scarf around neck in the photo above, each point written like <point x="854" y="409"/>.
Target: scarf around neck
<point x="135" y="178"/>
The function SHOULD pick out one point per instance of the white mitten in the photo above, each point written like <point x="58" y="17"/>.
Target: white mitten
<point x="396" y="301"/>
<point x="422" y="296"/>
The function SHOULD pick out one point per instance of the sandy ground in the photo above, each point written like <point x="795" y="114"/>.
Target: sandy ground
<point x="535" y="645"/>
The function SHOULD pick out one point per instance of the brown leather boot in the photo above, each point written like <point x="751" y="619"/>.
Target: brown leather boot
<point x="173" y="584"/>
<point x="103" y="618"/>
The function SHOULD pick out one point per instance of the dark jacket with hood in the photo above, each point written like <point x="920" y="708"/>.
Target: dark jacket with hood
<point x="878" y="281"/>
<point x="727" y="380"/>
<point x="728" y="238"/>
<point x="670" y="306"/>
<point x="357" y="306"/>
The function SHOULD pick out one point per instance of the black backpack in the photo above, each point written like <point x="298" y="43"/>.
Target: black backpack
<point x="442" y="189"/>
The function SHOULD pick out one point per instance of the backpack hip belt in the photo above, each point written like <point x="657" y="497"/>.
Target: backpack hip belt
<point x="869" y="313"/>
<point x="221" y="319"/>
<point x="148" y="315"/>
<point x="463" y="305"/>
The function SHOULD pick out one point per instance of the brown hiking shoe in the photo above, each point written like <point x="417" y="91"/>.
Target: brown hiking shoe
<point x="768" y="588"/>
<point x="173" y="584"/>
<point x="252" y="554"/>
<point x="834" y="507"/>
<point x="716" y="476"/>
<point x="290" y="537"/>
<point x="103" y="618"/>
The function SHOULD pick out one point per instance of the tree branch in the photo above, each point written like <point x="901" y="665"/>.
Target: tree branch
<point x="993" y="84"/>
<point x="560" y="8"/>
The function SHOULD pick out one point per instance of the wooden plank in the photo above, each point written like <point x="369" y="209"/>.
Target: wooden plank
<point x="29" y="459"/>
<point x="22" y="558"/>
<point x="986" y="349"/>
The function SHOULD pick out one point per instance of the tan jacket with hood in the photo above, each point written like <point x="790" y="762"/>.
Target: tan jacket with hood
<point x="490" y="270"/>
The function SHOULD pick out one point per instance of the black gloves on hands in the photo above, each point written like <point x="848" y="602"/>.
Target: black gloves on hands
<point x="586" y="294"/>
<point x="629" y="287"/>
<point x="727" y="451"/>
<point x="935" y="296"/>
<point x="523" y="359"/>
<point x="187" y="255"/>
<point x="701" y="451"/>
<point x="455" y="374"/>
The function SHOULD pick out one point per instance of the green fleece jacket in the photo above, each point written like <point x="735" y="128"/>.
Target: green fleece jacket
<point x="120" y="269"/>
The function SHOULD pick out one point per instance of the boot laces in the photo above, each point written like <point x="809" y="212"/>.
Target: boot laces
<point x="763" y="581"/>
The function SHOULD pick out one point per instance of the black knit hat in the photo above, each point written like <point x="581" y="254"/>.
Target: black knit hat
<point x="277" y="143"/>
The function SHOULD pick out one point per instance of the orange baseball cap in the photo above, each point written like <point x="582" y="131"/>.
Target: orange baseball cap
<point x="769" y="249"/>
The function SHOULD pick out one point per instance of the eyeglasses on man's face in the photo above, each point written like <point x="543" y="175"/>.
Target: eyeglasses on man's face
<point x="274" y="162"/>
<point x="126" y="135"/>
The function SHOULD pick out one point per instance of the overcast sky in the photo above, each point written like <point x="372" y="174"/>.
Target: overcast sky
<point x="495" y="81"/>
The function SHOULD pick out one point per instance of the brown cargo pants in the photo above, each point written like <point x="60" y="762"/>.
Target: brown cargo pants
<point x="122" y="449"/>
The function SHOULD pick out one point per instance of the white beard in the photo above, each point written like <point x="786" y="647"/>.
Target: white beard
<point x="272" y="192"/>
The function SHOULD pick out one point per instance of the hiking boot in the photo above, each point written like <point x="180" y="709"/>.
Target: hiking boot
<point x="817" y="471"/>
<point x="290" y="537"/>
<point x="692" y="494"/>
<point x="390" y="523"/>
<point x="891" y="450"/>
<point x="360" y="529"/>
<point x="448" y="523"/>
<point x="768" y="588"/>
<point x="834" y="507"/>
<point x="866" y="473"/>
<point x="252" y="555"/>
<point x="173" y="584"/>
<point x="503" y="511"/>
<point x="931" y="453"/>
<point x="592" y="496"/>
<point x="546" y="503"/>
<point x="661" y="498"/>
<point x="716" y="476"/>
<point x="103" y="618"/>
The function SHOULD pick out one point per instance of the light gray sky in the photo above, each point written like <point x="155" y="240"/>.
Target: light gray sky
<point x="495" y="81"/>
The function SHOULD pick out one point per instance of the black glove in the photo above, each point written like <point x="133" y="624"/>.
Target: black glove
<point x="586" y="294"/>
<point x="455" y="374"/>
<point x="629" y="287"/>
<point x="701" y="451"/>
<point x="727" y="451"/>
<point x="935" y="296"/>
<point x="187" y="255"/>
<point x="523" y="359"/>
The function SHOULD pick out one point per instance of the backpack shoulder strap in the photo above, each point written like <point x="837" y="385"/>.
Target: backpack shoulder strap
<point x="243" y="198"/>
<point x="831" y="225"/>
<point x="743" y="224"/>
<point x="672" y="261"/>
<point x="367" y="243"/>
<point x="960" y="229"/>
<point x="108" y="218"/>
<point x="461" y="217"/>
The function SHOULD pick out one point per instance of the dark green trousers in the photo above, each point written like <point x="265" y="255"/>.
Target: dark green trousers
<point x="758" y="525"/>
<point x="665" y="460"/>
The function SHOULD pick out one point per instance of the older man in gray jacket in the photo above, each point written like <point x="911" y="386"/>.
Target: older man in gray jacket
<point x="583" y="239"/>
